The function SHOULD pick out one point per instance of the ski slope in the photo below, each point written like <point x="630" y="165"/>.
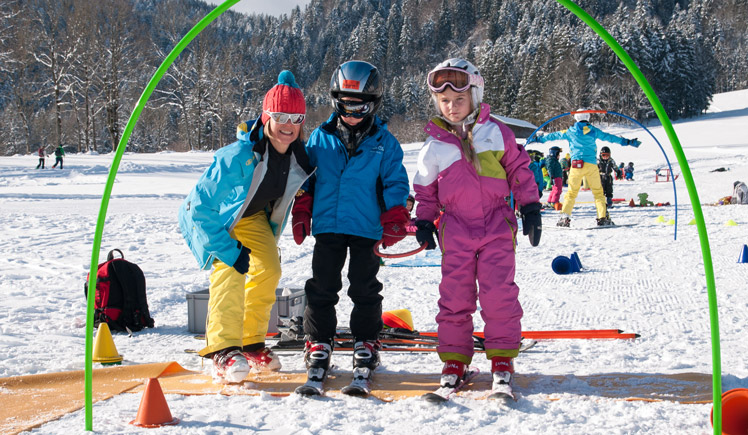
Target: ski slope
<point x="638" y="279"/>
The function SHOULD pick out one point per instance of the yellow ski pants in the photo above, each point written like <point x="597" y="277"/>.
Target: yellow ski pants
<point x="239" y="306"/>
<point x="592" y="173"/>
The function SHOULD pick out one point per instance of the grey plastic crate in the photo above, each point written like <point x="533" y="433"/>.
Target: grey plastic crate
<point x="286" y="306"/>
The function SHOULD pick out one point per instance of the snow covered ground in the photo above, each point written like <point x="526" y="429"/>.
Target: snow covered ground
<point x="637" y="279"/>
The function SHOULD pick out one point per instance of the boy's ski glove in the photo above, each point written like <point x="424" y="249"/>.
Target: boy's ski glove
<point x="394" y="222"/>
<point x="632" y="142"/>
<point x="532" y="224"/>
<point x="301" y="216"/>
<point x="242" y="262"/>
<point x="425" y="233"/>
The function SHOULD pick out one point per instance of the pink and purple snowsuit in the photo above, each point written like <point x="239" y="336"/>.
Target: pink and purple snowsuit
<point x="476" y="232"/>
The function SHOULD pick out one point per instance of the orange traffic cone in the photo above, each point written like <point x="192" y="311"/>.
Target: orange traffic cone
<point x="558" y="206"/>
<point x="734" y="411"/>
<point x="153" y="410"/>
<point x="104" y="351"/>
<point x="631" y="203"/>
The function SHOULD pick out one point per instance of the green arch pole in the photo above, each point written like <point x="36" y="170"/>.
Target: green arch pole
<point x="692" y="193"/>
<point x="88" y="376"/>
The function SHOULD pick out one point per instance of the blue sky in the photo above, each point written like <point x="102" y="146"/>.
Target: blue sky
<point x="273" y="7"/>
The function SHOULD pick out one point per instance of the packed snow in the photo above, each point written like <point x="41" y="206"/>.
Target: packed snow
<point x="635" y="278"/>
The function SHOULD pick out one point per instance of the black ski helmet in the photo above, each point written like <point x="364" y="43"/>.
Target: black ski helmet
<point x="554" y="151"/>
<point x="604" y="150"/>
<point x="357" y="79"/>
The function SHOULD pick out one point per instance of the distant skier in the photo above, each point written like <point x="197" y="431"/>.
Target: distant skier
<point x="629" y="172"/>
<point x="42" y="157"/>
<point x="607" y="167"/>
<point x="555" y="173"/>
<point x="582" y="138"/>
<point x="59" y="154"/>
<point x="468" y="165"/>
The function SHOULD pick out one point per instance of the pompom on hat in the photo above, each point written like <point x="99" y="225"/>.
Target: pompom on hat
<point x="284" y="97"/>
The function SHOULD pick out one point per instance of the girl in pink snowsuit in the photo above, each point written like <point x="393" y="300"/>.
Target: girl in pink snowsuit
<point x="469" y="166"/>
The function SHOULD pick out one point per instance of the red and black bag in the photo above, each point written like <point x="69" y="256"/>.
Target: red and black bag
<point x="120" y="299"/>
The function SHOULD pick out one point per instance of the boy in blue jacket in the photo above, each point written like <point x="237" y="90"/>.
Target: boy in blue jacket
<point x="232" y="220"/>
<point x="356" y="198"/>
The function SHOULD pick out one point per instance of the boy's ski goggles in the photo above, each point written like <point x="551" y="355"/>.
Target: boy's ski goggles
<point x="352" y="109"/>
<point x="456" y="78"/>
<point x="282" y="118"/>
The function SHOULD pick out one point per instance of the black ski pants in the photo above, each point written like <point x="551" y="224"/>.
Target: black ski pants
<point x="607" y="182"/>
<point x="330" y="251"/>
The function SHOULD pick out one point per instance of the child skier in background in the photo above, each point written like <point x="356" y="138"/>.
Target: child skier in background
<point x="556" y="175"/>
<point x="468" y="166"/>
<point x="629" y="171"/>
<point x="607" y="166"/>
<point x="535" y="158"/>
<point x="547" y="181"/>
<point x="565" y="166"/>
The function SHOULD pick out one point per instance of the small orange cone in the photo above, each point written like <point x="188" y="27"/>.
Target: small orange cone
<point x="104" y="351"/>
<point x="558" y="206"/>
<point x="631" y="203"/>
<point x="153" y="410"/>
<point x="398" y="319"/>
<point x="734" y="411"/>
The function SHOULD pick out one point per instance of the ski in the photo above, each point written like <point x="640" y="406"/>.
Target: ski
<point x="501" y="388"/>
<point x="314" y="385"/>
<point x="443" y="394"/>
<point x="360" y="386"/>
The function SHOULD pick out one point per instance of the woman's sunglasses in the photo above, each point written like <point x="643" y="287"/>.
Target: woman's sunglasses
<point x="282" y="118"/>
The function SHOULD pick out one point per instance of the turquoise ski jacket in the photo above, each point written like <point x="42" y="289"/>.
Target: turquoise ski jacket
<point x="225" y="189"/>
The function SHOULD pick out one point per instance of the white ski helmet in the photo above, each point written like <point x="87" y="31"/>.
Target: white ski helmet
<point x="475" y="80"/>
<point x="582" y="116"/>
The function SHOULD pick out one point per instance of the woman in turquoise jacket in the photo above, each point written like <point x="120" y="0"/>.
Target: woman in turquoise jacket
<point x="232" y="220"/>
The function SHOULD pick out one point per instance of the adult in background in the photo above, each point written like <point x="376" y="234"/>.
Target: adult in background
<point x="582" y="138"/>
<point x="232" y="220"/>
<point x="42" y="157"/>
<point x="356" y="197"/>
<point x="59" y="154"/>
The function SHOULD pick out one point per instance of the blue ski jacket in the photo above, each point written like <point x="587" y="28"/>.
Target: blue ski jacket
<point x="225" y="189"/>
<point x="581" y="137"/>
<point x="350" y="193"/>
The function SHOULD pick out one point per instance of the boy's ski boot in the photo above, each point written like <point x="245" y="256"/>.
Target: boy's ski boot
<point x="502" y="370"/>
<point x="365" y="361"/>
<point x="317" y="358"/>
<point x="229" y="366"/>
<point x="564" y="221"/>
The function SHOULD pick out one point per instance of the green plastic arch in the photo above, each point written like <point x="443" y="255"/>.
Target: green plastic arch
<point x="686" y="172"/>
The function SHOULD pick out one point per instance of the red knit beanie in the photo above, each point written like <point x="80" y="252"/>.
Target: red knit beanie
<point x="284" y="97"/>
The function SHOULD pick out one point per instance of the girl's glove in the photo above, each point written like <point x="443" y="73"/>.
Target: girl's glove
<point x="425" y="233"/>
<point x="532" y="224"/>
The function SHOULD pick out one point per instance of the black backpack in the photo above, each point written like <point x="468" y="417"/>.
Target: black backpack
<point x="120" y="299"/>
